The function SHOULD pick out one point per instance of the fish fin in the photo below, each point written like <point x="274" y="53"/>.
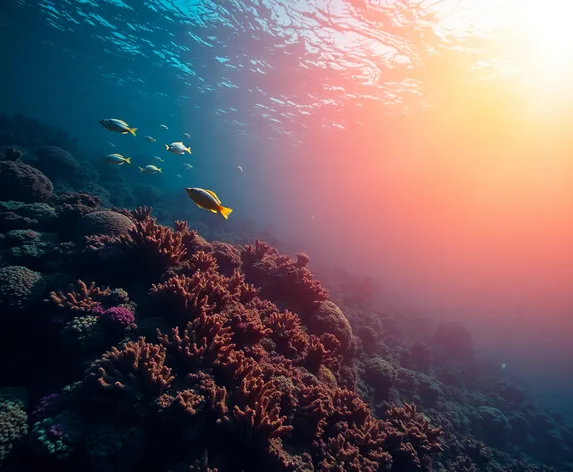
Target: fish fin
<point x="128" y="160"/>
<point x="188" y="149"/>
<point x="132" y="130"/>
<point x="141" y="169"/>
<point x="198" y="204"/>
<point x="167" y="147"/>
<point x="214" y="195"/>
<point x="225" y="211"/>
<point x="159" y="170"/>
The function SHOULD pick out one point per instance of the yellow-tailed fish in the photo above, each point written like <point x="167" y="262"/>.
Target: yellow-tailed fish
<point x="163" y="127"/>
<point x="177" y="148"/>
<point x="158" y="159"/>
<point x="208" y="200"/>
<point x="150" y="169"/>
<point x="116" y="159"/>
<point x="150" y="139"/>
<point x="119" y="126"/>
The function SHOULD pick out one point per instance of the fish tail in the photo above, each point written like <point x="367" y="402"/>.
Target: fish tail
<point x="225" y="211"/>
<point x="128" y="160"/>
<point x="141" y="169"/>
<point x="159" y="170"/>
<point x="188" y="149"/>
<point x="132" y="130"/>
<point x="167" y="147"/>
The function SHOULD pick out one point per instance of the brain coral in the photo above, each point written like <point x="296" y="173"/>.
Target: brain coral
<point x="23" y="183"/>
<point x="20" y="287"/>
<point x="55" y="162"/>
<point x="104" y="222"/>
<point x="328" y="318"/>
<point x="13" y="419"/>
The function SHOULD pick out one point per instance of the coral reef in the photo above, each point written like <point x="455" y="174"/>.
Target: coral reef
<point x="171" y="351"/>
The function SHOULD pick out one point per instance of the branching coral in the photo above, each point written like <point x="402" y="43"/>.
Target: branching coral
<point x="203" y="342"/>
<point x="184" y="297"/>
<point x="321" y="351"/>
<point x="288" y="335"/>
<point x="153" y="247"/>
<point x="257" y="411"/>
<point x="242" y="367"/>
<point x="84" y="298"/>
<point x="280" y="277"/>
<point x="137" y="369"/>
<point x="413" y="440"/>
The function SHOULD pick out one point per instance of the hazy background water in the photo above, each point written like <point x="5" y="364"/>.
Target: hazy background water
<point x="416" y="134"/>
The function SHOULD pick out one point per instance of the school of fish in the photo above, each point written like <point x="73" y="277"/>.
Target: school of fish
<point x="203" y="198"/>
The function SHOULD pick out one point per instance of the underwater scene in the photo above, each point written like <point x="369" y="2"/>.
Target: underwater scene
<point x="286" y="235"/>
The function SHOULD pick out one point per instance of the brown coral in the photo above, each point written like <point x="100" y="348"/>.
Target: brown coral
<point x="281" y="278"/>
<point x="154" y="247"/>
<point x="138" y="368"/>
<point x="257" y="411"/>
<point x="203" y="342"/>
<point x="84" y="298"/>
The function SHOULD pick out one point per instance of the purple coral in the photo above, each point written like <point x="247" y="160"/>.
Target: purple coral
<point x="55" y="431"/>
<point x="117" y="318"/>
<point x="48" y="405"/>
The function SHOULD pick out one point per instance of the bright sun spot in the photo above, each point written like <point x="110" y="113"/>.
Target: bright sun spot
<point x="547" y="35"/>
<point x="533" y="36"/>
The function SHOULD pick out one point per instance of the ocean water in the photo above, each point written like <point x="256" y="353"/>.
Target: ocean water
<point x="418" y="152"/>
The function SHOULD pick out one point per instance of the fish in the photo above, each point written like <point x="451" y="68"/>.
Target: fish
<point x="150" y="139"/>
<point x="179" y="175"/>
<point x="186" y="135"/>
<point x="158" y="159"/>
<point x="163" y="127"/>
<point x="119" y="126"/>
<point x="188" y="166"/>
<point x="110" y="143"/>
<point x="150" y="169"/>
<point x="117" y="159"/>
<point x="208" y="200"/>
<point x="177" y="148"/>
<point x="239" y="168"/>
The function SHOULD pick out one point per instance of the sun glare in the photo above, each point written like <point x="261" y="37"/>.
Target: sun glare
<point x="534" y="37"/>
<point x="545" y="29"/>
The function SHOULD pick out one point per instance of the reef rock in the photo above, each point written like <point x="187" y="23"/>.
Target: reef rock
<point x="104" y="222"/>
<point x="329" y="318"/>
<point x="23" y="183"/>
<point x="55" y="161"/>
